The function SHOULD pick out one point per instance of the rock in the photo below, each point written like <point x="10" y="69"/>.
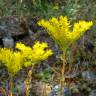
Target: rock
<point x="55" y="90"/>
<point x="93" y="93"/>
<point x="66" y="91"/>
<point x="8" y="42"/>
<point x="13" y="26"/>
<point x="88" y="75"/>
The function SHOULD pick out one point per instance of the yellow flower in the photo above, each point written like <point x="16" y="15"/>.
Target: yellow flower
<point x="25" y="56"/>
<point x="12" y="60"/>
<point x="35" y="54"/>
<point x="38" y="45"/>
<point x="22" y="47"/>
<point x="59" y="29"/>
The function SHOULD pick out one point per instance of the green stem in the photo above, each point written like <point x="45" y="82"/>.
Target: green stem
<point x="63" y="74"/>
<point x="11" y="86"/>
<point x="3" y="90"/>
<point x="28" y="82"/>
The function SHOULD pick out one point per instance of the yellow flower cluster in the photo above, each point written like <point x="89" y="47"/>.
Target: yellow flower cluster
<point x="34" y="54"/>
<point x="59" y="29"/>
<point x="25" y="56"/>
<point x="56" y="7"/>
<point x="12" y="60"/>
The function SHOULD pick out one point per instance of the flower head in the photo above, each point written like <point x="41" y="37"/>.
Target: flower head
<point x="35" y="54"/>
<point x="59" y="30"/>
<point x="11" y="59"/>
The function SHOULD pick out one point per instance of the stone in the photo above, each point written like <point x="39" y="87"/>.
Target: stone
<point x="88" y="75"/>
<point x="93" y="93"/>
<point x="8" y="42"/>
<point x="12" y="25"/>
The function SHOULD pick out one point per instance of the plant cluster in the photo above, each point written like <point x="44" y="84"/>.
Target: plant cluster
<point x="62" y="33"/>
<point x="25" y="56"/>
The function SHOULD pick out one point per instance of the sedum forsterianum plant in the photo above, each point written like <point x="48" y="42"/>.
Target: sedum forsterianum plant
<point x="32" y="56"/>
<point x="24" y="56"/>
<point x="60" y="30"/>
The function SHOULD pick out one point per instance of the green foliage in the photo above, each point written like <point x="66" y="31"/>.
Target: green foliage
<point x="45" y="75"/>
<point x="41" y="8"/>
